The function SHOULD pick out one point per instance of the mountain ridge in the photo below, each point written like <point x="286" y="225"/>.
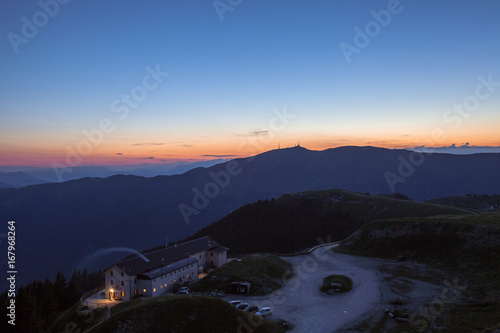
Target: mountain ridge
<point x="76" y="221"/>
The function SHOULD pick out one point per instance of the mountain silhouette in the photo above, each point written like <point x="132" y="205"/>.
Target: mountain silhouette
<point x="85" y="222"/>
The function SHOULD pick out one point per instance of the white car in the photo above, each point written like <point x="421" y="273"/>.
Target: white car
<point x="264" y="312"/>
<point x="234" y="303"/>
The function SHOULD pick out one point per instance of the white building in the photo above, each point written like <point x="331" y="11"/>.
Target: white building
<point x="156" y="272"/>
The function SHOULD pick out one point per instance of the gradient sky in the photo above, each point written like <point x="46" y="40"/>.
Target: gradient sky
<point x="228" y="78"/>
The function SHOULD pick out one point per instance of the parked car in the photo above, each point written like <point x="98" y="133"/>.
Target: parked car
<point x="183" y="292"/>
<point x="242" y="306"/>
<point x="235" y="302"/>
<point x="264" y="312"/>
<point x="251" y="308"/>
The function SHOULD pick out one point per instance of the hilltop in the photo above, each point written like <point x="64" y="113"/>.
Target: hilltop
<point x="301" y="220"/>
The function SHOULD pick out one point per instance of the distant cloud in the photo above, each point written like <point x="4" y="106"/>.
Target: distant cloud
<point x="218" y="156"/>
<point x="255" y="133"/>
<point x="147" y="158"/>
<point x="258" y="133"/>
<point x="466" y="148"/>
<point x="148" y="144"/>
<point x="187" y="145"/>
<point x="119" y="154"/>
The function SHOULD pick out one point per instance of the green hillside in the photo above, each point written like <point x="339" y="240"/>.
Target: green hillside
<point x="265" y="273"/>
<point x="296" y="221"/>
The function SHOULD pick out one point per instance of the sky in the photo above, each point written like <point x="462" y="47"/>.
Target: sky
<point x="124" y="82"/>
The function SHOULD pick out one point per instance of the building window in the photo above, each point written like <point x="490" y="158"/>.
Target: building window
<point x="154" y="290"/>
<point x="123" y="283"/>
<point x="111" y="281"/>
<point x="211" y="254"/>
<point x="200" y="256"/>
<point x="135" y="280"/>
<point x="144" y="290"/>
<point x="122" y="273"/>
<point x="111" y="273"/>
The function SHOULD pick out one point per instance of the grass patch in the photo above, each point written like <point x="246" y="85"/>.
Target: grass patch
<point x="182" y="314"/>
<point x="336" y="282"/>
<point x="266" y="273"/>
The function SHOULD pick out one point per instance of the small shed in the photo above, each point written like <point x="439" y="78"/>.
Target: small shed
<point x="239" y="288"/>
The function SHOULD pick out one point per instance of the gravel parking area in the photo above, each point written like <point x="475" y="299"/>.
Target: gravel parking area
<point x="376" y="282"/>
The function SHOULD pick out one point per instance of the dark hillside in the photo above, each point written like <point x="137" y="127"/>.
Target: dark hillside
<point x="296" y="221"/>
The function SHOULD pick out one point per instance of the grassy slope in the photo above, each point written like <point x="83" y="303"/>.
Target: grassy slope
<point x="180" y="314"/>
<point x="265" y="273"/>
<point x="81" y="319"/>
<point x="299" y="219"/>
<point x="469" y="245"/>
<point x="475" y="202"/>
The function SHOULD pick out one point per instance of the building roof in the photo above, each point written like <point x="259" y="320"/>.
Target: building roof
<point x="153" y="274"/>
<point x="219" y="249"/>
<point x="166" y="256"/>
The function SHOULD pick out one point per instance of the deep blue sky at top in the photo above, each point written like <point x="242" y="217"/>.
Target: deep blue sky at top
<point x="226" y="76"/>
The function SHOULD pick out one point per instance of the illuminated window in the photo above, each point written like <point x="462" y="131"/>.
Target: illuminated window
<point x="144" y="290"/>
<point x="165" y="284"/>
<point x="161" y="287"/>
<point x="187" y="275"/>
<point x="154" y="290"/>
